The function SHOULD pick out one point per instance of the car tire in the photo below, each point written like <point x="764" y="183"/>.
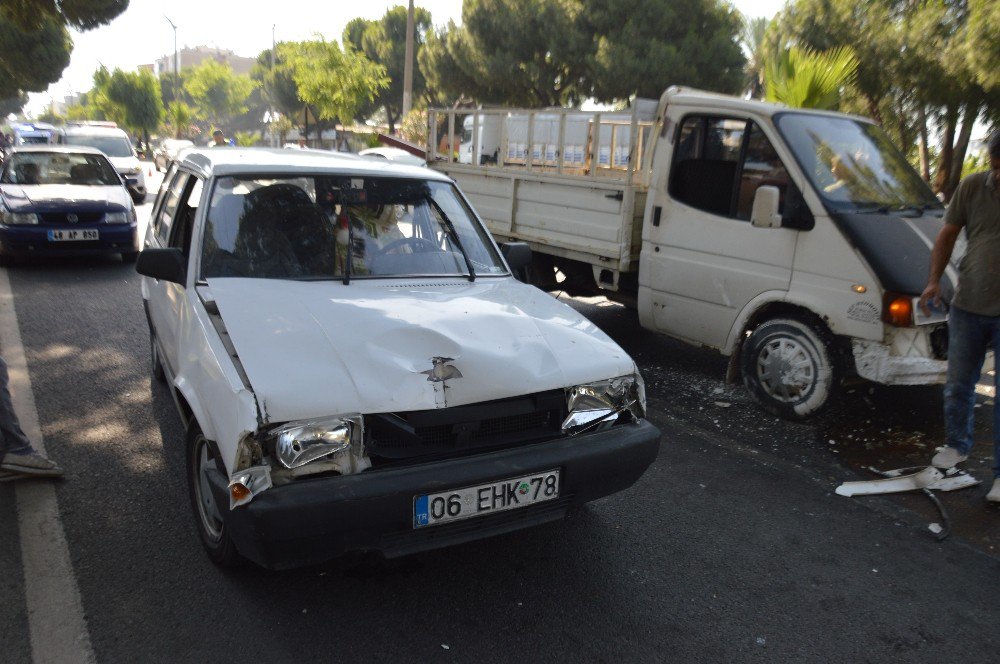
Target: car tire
<point x="203" y="459"/>
<point x="789" y="368"/>
<point x="129" y="256"/>
<point x="155" y="363"/>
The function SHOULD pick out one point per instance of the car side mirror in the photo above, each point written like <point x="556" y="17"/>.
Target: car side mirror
<point x="765" y="208"/>
<point x="164" y="264"/>
<point x="517" y="255"/>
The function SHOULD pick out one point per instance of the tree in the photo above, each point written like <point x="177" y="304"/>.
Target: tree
<point x="445" y="78"/>
<point x="216" y="92"/>
<point x="333" y="81"/>
<point x="179" y="115"/>
<point x="36" y="42"/>
<point x="277" y="82"/>
<point x="137" y="95"/>
<point x="804" y="78"/>
<point x="752" y="38"/>
<point x="12" y="104"/>
<point x="31" y="58"/>
<point x="644" y="46"/>
<point x="384" y="42"/>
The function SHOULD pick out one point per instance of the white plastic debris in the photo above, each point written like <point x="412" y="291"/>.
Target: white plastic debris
<point x="921" y="480"/>
<point x="935" y="528"/>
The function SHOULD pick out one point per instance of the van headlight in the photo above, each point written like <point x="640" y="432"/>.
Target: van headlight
<point x="604" y="402"/>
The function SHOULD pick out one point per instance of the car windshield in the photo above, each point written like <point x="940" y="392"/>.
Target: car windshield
<point x="319" y="227"/>
<point x="59" y="168"/>
<point x="113" y="146"/>
<point x="853" y="164"/>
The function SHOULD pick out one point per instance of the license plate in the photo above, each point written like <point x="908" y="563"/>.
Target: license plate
<point x="74" y="235"/>
<point x="436" y="508"/>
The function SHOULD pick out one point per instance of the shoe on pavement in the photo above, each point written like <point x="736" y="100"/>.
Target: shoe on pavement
<point x="994" y="495"/>
<point x="33" y="464"/>
<point x="948" y="457"/>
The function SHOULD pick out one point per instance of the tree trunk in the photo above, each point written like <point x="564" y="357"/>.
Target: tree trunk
<point x="146" y="152"/>
<point x="925" y="164"/>
<point x="962" y="145"/>
<point x="947" y="153"/>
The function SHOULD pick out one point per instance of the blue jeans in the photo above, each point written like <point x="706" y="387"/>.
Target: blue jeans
<point x="12" y="439"/>
<point x="969" y="337"/>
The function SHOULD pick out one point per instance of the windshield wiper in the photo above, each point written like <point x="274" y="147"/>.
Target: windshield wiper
<point x="454" y="235"/>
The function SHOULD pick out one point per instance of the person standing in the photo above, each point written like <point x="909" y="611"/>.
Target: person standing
<point x="219" y="139"/>
<point x="17" y="457"/>
<point x="974" y="318"/>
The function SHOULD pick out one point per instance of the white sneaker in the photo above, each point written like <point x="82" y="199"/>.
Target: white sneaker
<point x="994" y="495"/>
<point x="948" y="457"/>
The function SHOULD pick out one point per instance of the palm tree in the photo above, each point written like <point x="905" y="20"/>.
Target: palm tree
<point x="752" y="41"/>
<point x="804" y="78"/>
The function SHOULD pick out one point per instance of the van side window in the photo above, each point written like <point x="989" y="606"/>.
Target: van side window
<point x="706" y="163"/>
<point x="164" y="219"/>
<point x="761" y="166"/>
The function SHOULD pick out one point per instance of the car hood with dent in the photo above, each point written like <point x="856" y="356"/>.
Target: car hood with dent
<point x="311" y="349"/>
<point x="60" y="197"/>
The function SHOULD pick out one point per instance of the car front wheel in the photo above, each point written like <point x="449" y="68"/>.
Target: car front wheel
<point x="203" y="462"/>
<point x="788" y="368"/>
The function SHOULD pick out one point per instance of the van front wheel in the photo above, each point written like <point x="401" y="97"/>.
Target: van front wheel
<point x="788" y="368"/>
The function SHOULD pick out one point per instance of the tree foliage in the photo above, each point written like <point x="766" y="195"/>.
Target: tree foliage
<point x="335" y="82"/>
<point x="31" y="58"/>
<point x="12" y="104"/>
<point x="803" y="78"/>
<point x="216" y="92"/>
<point x="753" y="39"/>
<point x="137" y="95"/>
<point x="384" y="42"/>
<point x="78" y="14"/>
<point x="277" y="82"/>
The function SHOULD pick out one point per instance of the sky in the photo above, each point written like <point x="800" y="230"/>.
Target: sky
<point x="142" y="34"/>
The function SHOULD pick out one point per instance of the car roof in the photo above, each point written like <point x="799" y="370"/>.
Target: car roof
<point x="236" y="161"/>
<point x="50" y="147"/>
<point x="88" y="130"/>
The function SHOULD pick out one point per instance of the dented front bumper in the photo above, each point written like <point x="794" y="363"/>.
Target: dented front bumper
<point x="313" y="520"/>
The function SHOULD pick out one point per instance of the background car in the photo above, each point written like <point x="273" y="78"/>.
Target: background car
<point x="167" y="151"/>
<point x="59" y="200"/>
<point x="394" y="154"/>
<point x="115" y="144"/>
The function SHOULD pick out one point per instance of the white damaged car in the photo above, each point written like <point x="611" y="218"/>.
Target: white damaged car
<point x="358" y="368"/>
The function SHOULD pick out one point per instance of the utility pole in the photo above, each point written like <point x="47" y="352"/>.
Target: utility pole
<point x="177" y="75"/>
<point x="408" y="64"/>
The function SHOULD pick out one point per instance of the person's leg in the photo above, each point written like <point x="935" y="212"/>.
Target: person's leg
<point x="968" y="337"/>
<point x="995" y="342"/>
<point x="12" y="439"/>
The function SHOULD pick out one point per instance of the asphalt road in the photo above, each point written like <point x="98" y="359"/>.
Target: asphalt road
<point x="732" y="547"/>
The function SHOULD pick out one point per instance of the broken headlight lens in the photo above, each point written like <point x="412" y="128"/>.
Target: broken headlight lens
<point x="604" y="402"/>
<point x="299" y="443"/>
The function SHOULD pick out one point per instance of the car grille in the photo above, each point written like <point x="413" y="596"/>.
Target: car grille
<point x="447" y="432"/>
<point x="60" y="218"/>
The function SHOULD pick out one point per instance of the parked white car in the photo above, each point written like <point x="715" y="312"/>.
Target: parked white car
<point x="115" y="144"/>
<point x="359" y="369"/>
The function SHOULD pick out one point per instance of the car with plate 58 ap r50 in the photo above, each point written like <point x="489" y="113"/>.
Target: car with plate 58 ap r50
<point x="358" y="368"/>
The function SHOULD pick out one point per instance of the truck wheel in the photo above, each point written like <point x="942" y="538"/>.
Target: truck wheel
<point x="202" y="460"/>
<point x="788" y="368"/>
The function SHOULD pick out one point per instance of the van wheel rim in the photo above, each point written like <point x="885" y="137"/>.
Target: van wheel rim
<point x="786" y="370"/>
<point x="208" y="510"/>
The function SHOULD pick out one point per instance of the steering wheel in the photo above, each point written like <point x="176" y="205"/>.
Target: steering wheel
<point x="420" y="245"/>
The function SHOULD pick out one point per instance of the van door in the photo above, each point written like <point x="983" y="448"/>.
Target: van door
<point x="702" y="261"/>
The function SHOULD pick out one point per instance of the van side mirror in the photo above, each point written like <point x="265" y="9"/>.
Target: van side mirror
<point x="163" y="264"/>
<point x="765" y="208"/>
<point x="518" y="257"/>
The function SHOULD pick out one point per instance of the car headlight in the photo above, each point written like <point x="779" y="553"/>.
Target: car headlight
<point x="604" y="402"/>
<point x="299" y="443"/>
<point x="117" y="217"/>
<point x="19" y="218"/>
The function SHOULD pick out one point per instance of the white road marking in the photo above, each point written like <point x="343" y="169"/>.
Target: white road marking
<point x="56" y="621"/>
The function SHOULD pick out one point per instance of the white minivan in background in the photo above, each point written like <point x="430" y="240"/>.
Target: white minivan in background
<point x="115" y="144"/>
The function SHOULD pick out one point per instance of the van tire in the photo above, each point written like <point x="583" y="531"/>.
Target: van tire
<point x="202" y="458"/>
<point x="789" y="368"/>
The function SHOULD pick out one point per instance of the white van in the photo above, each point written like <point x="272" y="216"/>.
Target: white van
<point x="115" y="144"/>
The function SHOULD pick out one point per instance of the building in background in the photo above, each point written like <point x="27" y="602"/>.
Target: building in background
<point x="192" y="57"/>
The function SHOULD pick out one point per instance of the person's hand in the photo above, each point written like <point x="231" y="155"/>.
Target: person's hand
<point x="933" y="294"/>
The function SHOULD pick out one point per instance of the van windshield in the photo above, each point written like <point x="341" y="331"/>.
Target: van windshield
<point x="113" y="146"/>
<point x="319" y="227"/>
<point x="853" y="164"/>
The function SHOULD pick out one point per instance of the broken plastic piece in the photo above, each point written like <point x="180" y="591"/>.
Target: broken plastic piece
<point x="921" y="480"/>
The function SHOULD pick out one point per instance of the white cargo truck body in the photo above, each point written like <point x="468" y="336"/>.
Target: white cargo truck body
<point x="795" y="242"/>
